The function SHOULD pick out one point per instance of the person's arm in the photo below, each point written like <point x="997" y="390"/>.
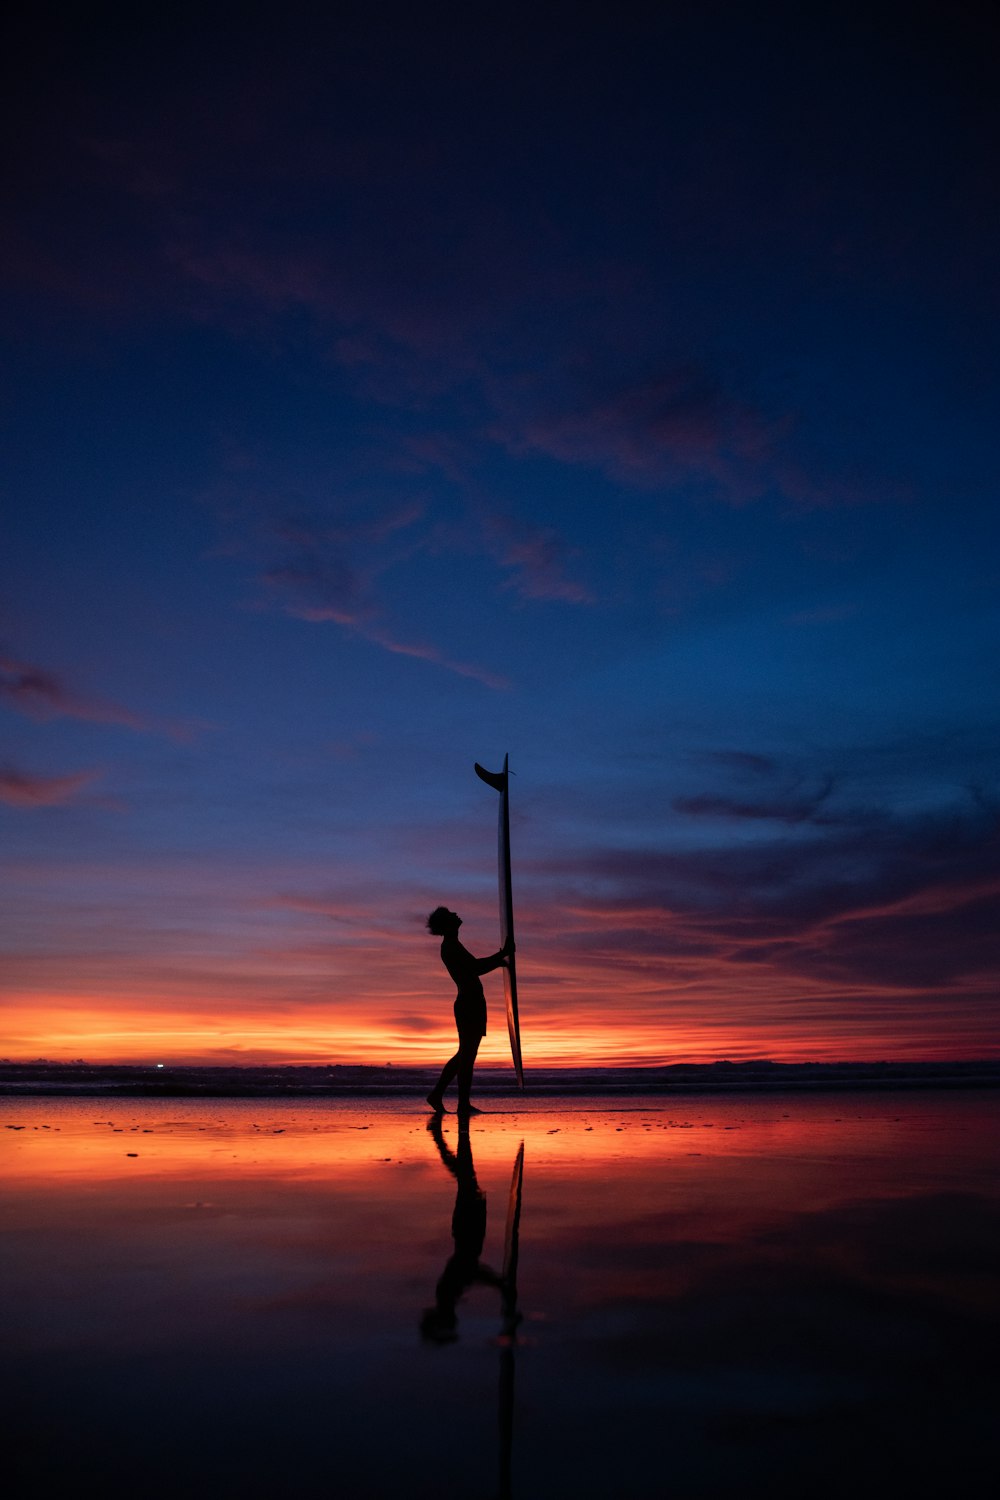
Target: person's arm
<point x="495" y="960"/>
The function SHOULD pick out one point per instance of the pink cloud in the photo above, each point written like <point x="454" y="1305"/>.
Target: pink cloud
<point x="535" y="558"/>
<point x="332" y="578"/>
<point x="674" y="428"/>
<point x="41" y="695"/>
<point x="437" y="658"/>
<point x="664" y="430"/>
<point x="418" y="650"/>
<point x="19" y="789"/>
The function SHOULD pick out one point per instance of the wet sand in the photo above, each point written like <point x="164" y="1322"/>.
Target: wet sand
<point x="774" y="1295"/>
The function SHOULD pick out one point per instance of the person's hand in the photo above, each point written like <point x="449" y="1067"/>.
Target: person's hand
<point x="508" y="948"/>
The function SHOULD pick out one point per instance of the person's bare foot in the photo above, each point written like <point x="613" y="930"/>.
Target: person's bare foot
<point x="468" y="1109"/>
<point x="436" y="1103"/>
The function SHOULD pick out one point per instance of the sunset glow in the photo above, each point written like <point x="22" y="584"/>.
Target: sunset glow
<point x="620" y="395"/>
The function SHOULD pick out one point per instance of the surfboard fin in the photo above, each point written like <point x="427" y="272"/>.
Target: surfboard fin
<point x="496" y="779"/>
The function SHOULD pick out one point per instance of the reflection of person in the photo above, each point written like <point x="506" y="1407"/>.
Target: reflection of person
<point x="468" y="1227"/>
<point x="470" y="1005"/>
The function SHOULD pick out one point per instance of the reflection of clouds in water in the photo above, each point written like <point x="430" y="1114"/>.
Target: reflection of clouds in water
<point x="815" y="1282"/>
<point x="823" y="1337"/>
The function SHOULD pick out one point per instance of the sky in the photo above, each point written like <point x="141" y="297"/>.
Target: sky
<point x="394" y="387"/>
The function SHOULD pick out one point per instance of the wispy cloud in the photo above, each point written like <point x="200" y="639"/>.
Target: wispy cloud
<point x="43" y="695"/>
<point x="682" y="425"/>
<point x="674" y="426"/>
<point x="330" y="575"/>
<point x="40" y="694"/>
<point x="428" y="653"/>
<point x="790" y="809"/>
<point x="20" y="789"/>
<point x="535" y="559"/>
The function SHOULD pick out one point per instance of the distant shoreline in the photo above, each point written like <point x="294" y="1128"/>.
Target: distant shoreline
<point x="347" y="1080"/>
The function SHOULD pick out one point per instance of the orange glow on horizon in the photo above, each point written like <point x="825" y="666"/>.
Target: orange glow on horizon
<point x="563" y="1035"/>
<point x="319" y="982"/>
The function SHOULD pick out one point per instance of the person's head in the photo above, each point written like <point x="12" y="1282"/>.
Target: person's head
<point x="443" y="922"/>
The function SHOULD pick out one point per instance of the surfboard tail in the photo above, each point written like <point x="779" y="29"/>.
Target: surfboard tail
<point x="513" y="1021"/>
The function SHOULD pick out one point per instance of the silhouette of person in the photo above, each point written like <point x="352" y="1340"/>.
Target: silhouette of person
<point x="470" y="1006"/>
<point x="468" y="1227"/>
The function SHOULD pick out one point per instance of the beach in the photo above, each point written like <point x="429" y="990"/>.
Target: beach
<point x="776" y="1294"/>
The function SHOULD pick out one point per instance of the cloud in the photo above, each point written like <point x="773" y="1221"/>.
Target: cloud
<point x="428" y="653"/>
<point x="830" y="867"/>
<point x="778" y="809"/>
<point x="670" y="428"/>
<point x="681" y="426"/>
<point x="928" y="939"/>
<point x="413" y="1023"/>
<point x="41" y="695"/>
<point x="19" y="789"/>
<point x="898" y="906"/>
<point x="361" y="625"/>
<point x="535" y="558"/>
<point x="332" y="576"/>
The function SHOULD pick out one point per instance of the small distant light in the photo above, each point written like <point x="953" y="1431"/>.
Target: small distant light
<point x="159" y="1065"/>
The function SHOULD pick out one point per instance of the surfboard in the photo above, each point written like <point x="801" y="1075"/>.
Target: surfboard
<point x="499" y="781"/>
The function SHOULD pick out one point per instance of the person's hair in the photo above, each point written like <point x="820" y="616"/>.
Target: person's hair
<point x="439" y="921"/>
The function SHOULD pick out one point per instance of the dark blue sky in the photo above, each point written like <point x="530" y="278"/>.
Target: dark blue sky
<point x="393" y="388"/>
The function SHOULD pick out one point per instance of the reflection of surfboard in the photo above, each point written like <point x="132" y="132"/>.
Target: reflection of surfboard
<point x="508" y="1329"/>
<point x="498" y="780"/>
<point x="510" y="1238"/>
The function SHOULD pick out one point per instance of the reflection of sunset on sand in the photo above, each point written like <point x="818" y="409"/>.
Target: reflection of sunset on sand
<point x="691" y="1270"/>
<point x="582" y="1140"/>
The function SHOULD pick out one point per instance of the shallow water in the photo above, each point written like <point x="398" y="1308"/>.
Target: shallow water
<point x="784" y="1295"/>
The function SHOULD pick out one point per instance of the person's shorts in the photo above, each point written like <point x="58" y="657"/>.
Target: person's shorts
<point x="470" y="1015"/>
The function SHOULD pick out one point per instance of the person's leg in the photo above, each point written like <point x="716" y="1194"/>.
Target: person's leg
<point x="467" y="1050"/>
<point x="436" y="1096"/>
